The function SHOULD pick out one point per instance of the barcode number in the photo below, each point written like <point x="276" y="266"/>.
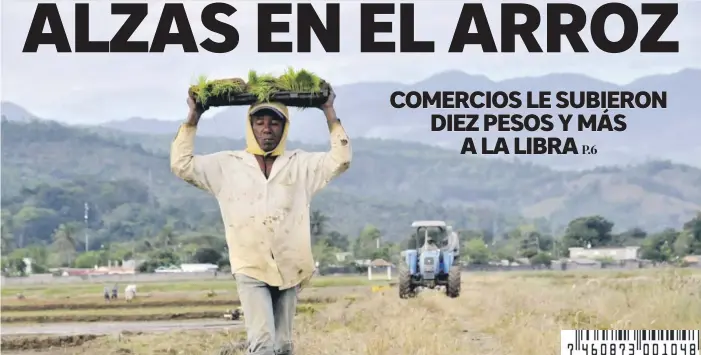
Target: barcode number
<point x="630" y="342"/>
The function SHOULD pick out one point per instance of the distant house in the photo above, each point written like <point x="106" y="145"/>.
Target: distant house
<point x="379" y="263"/>
<point x="343" y="256"/>
<point x="76" y="272"/>
<point x="97" y="271"/>
<point x="692" y="259"/>
<point x="132" y="264"/>
<point x="617" y="254"/>
<point x="198" y="267"/>
<point x="362" y="262"/>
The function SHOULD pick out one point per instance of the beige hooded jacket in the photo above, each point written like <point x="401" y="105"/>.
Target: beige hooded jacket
<point x="266" y="220"/>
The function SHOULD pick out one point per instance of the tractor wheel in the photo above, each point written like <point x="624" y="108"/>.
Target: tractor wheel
<point x="453" y="288"/>
<point x="405" y="289"/>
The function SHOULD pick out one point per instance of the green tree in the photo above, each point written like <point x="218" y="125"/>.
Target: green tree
<point x="633" y="236"/>
<point x="120" y="253"/>
<point x="543" y="259"/>
<point x="205" y="240"/>
<point x="324" y="254"/>
<point x="507" y="250"/>
<point x="585" y="231"/>
<point x="207" y="256"/>
<point x="530" y="244"/>
<point x="477" y="252"/>
<point x="13" y="265"/>
<point x="365" y="245"/>
<point x="684" y="244"/>
<point x="64" y="242"/>
<point x="338" y="241"/>
<point x="318" y="224"/>
<point x="89" y="259"/>
<point x="38" y="253"/>
<point x="159" y="258"/>
<point x="32" y="224"/>
<point x="658" y="246"/>
<point x="693" y="229"/>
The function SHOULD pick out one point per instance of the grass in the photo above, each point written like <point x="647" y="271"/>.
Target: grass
<point x="109" y="312"/>
<point x="130" y="315"/>
<point x="263" y="86"/>
<point x="80" y="290"/>
<point x="497" y="313"/>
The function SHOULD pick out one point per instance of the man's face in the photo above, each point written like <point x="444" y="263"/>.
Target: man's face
<point x="267" y="128"/>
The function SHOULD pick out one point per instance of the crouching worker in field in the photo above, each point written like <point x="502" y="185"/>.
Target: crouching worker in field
<point x="106" y="294"/>
<point x="264" y="193"/>
<point x="129" y="292"/>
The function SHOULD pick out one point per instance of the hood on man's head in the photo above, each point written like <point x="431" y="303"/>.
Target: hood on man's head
<point x="275" y="108"/>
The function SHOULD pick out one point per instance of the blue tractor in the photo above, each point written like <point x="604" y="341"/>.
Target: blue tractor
<point x="434" y="261"/>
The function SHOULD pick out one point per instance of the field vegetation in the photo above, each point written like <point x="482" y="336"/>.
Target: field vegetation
<point x="497" y="313"/>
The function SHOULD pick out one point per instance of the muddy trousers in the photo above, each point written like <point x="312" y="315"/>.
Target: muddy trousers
<point x="268" y="313"/>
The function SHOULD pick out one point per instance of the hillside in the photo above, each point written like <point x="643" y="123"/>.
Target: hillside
<point x="47" y="152"/>
<point x="664" y="193"/>
<point x="389" y="185"/>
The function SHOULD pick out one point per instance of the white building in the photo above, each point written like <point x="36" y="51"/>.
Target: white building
<point x="198" y="267"/>
<point x="617" y="254"/>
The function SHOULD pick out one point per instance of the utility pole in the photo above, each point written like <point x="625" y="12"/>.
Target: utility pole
<point x="87" y="209"/>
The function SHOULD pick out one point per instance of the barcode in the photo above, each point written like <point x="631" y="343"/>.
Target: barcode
<point x="635" y="339"/>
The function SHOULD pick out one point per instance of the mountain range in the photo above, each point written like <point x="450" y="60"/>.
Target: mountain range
<point x="365" y="109"/>
<point x="390" y="183"/>
<point x="401" y="170"/>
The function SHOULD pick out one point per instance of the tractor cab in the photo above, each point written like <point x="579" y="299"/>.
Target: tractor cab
<point x="432" y="262"/>
<point x="436" y="235"/>
<point x="430" y="235"/>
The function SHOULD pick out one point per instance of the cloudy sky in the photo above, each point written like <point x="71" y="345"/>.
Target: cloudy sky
<point x="91" y="88"/>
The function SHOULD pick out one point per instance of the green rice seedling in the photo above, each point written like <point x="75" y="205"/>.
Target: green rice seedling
<point x="262" y="86"/>
<point x="299" y="81"/>
<point x="206" y="89"/>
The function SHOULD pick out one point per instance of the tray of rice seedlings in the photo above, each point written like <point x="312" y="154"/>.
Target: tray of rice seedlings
<point x="296" y="88"/>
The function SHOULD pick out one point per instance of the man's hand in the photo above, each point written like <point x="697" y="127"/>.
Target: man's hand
<point x="196" y="111"/>
<point x="329" y="102"/>
<point x="328" y="108"/>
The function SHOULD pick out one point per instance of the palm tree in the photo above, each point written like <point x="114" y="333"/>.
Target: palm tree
<point x="64" y="241"/>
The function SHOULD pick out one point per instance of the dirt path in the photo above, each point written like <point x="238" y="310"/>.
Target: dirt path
<point x="101" y="328"/>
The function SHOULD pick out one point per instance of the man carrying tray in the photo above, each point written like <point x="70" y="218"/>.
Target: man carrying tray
<point x="264" y="193"/>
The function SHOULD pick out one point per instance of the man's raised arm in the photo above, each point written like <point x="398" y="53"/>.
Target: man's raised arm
<point x="202" y="171"/>
<point x="324" y="167"/>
